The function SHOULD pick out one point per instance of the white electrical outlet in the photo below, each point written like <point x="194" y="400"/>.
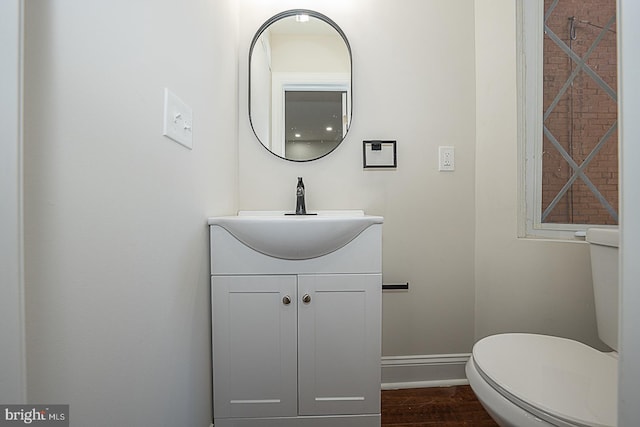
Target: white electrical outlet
<point x="446" y="159"/>
<point x="178" y="120"/>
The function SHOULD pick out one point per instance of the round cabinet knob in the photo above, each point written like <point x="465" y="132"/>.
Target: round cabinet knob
<point x="306" y="298"/>
<point x="286" y="300"/>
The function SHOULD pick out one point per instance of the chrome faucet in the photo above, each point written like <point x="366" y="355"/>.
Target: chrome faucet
<point x="301" y="208"/>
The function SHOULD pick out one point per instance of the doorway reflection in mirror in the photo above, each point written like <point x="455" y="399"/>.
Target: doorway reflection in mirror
<point x="300" y="83"/>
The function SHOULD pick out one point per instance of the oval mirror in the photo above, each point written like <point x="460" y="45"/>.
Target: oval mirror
<point x="300" y="85"/>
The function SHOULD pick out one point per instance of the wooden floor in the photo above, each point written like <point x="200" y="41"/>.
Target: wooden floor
<point x="429" y="407"/>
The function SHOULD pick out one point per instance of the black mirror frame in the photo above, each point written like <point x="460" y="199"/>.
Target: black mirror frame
<point x="277" y="17"/>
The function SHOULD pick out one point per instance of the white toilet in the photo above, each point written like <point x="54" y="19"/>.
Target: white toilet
<point x="529" y="380"/>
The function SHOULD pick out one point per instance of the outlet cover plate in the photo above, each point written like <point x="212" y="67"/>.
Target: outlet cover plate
<point x="446" y="159"/>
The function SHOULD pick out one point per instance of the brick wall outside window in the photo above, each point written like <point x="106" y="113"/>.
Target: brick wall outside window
<point x="583" y="115"/>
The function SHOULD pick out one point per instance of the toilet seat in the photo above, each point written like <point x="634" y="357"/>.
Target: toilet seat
<point x="558" y="380"/>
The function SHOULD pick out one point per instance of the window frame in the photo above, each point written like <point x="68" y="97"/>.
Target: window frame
<point x="530" y="32"/>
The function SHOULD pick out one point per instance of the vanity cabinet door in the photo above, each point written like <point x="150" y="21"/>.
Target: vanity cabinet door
<point x="339" y="343"/>
<point x="254" y="346"/>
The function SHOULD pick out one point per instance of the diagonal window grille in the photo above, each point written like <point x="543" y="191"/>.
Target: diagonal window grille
<point x="580" y="157"/>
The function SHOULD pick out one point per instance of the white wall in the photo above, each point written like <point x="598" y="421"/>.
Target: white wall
<point x="12" y="354"/>
<point x="117" y="277"/>
<point x="261" y="87"/>
<point x="413" y="74"/>
<point x="521" y="285"/>
<point x="116" y="245"/>
<point x="628" y="36"/>
<point x="443" y="74"/>
<point x="309" y="53"/>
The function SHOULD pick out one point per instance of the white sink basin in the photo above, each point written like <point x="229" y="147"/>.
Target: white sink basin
<point x="296" y="236"/>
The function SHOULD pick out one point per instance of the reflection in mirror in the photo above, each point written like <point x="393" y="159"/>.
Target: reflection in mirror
<point x="313" y="122"/>
<point x="300" y="85"/>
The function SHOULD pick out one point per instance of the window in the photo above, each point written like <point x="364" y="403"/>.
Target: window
<point x="568" y="115"/>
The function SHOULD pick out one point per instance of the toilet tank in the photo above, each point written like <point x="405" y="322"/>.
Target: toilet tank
<point x="603" y="247"/>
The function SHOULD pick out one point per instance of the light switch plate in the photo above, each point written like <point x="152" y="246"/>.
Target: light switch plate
<point x="178" y="120"/>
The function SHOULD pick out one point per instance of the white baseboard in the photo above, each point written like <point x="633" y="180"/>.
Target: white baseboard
<point x="438" y="370"/>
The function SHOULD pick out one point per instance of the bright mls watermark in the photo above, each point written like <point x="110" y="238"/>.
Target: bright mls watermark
<point x="35" y="415"/>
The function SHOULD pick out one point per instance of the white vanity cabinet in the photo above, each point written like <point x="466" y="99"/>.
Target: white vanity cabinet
<point x="254" y="346"/>
<point x="296" y="342"/>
